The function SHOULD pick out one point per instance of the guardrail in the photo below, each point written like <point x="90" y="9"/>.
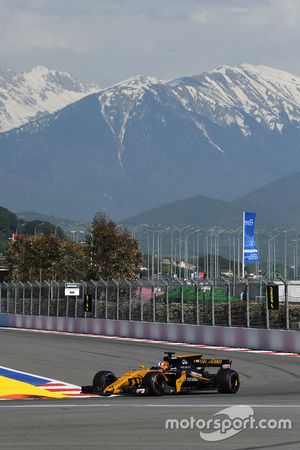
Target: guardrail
<point x="247" y="338"/>
<point x="213" y="302"/>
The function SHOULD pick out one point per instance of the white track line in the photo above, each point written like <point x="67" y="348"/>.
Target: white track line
<point x="143" y="405"/>
<point x="152" y="341"/>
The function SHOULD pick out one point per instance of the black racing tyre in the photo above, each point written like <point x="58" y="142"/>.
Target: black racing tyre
<point x="155" y="383"/>
<point x="227" y="381"/>
<point x="103" y="379"/>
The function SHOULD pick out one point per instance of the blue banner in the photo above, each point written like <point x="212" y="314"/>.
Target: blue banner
<point x="249" y="246"/>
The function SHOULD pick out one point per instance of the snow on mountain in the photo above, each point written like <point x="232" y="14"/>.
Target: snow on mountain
<point x="226" y="96"/>
<point x="118" y="102"/>
<point x="143" y="142"/>
<point x="30" y="95"/>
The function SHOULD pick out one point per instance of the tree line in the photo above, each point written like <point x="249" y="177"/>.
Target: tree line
<point x="108" y="253"/>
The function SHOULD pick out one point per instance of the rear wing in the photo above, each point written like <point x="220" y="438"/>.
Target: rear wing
<point x="224" y="363"/>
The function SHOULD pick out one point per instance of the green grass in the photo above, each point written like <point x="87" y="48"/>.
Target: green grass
<point x="189" y="295"/>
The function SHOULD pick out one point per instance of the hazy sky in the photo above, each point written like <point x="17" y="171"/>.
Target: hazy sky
<point x="105" y="41"/>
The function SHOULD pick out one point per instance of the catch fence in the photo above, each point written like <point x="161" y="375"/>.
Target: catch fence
<point x="213" y="302"/>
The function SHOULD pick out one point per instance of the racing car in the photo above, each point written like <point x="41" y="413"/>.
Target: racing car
<point x="173" y="375"/>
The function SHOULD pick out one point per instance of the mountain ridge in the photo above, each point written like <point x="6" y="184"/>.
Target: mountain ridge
<point x="144" y="142"/>
<point x="38" y="92"/>
<point x="276" y="204"/>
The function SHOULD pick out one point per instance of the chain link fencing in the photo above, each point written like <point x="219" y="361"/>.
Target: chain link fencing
<point x="212" y="302"/>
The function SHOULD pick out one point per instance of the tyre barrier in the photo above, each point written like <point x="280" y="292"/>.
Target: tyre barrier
<point x="251" y="338"/>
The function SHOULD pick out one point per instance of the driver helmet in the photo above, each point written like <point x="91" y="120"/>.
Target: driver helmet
<point x="164" y="365"/>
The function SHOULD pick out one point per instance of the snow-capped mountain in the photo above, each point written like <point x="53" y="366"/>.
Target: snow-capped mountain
<point x="30" y="95"/>
<point x="144" y="142"/>
<point x="119" y="103"/>
<point x="226" y="96"/>
<point x="230" y="95"/>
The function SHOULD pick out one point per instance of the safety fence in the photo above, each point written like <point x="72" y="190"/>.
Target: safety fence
<point x="213" y="302"/>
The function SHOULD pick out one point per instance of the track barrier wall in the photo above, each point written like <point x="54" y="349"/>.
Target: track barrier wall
<point x="259" y="339"/>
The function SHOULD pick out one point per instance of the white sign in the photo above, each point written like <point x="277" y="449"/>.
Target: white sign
<point x="72" y="289"/>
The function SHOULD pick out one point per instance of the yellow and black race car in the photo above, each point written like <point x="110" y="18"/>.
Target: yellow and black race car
<point x="174" y="374"/>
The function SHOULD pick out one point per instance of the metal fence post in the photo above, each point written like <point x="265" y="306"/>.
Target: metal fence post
<point x="84" y="292"/>
<point x="181" y="301"/>
<point x="229" y="304"/>
<point x="228" y="299"/>
<point x="82" y="298"/>
<point x="137" y="291"/>
<point x="40" y="297"/>
<point x="287" y="307"/>
<point x="0" y="297"/>
<point x="31" y="297"/>
<point x="153" y="303"/>
<point x="51" y="294"/>
<point x="15" y="287"/>
<point x="213" y="318"/>
<point x="286" y="303"/>
<point x="118" y="299"/>
<point x="106" y="298"/>
<point x="165" y="283"/>
<point x="129" y="298"/>
<point x="57" y="301"/>
<point x="7" y="297"/>
<point x="167" y="303"/>
<point x="95" y="298"/>
<point x="23" y="296"/>
<point x="142" y="305"/>
<point x="248" y="304"/>
<point x="130" y="301"/>
<point x="19" y="297"/>
<point x="212" y="288"/>
<point x="266" y="303"/>
<point x="196" y="300"/>
<point x="67" y="306"/>
<point x="48" y="298"/>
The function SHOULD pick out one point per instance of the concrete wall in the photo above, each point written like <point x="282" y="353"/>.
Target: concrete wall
<point x="275" y="340"/>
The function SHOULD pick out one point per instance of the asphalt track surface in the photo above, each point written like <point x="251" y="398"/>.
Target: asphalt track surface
<point x="270" y="384"/>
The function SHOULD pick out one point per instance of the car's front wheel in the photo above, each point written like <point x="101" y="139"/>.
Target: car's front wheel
<point x="103" y="379"/>
<point x="155" y="383"/>
<point x="227" y="381"/>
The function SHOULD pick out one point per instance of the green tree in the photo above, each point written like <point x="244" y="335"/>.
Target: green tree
<point x="113" y="253"/>
<point x="72" y="263"/>
<point x="31" y="258"/>
<point x="45" y="257"/>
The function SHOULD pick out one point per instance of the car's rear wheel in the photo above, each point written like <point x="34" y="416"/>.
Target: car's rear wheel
<point x="227" y="381"/>
<point x="103" y="379"/>
<point x="155" y="383"/>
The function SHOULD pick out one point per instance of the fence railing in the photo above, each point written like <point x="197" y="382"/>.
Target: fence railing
<point x="213" y="302"/>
